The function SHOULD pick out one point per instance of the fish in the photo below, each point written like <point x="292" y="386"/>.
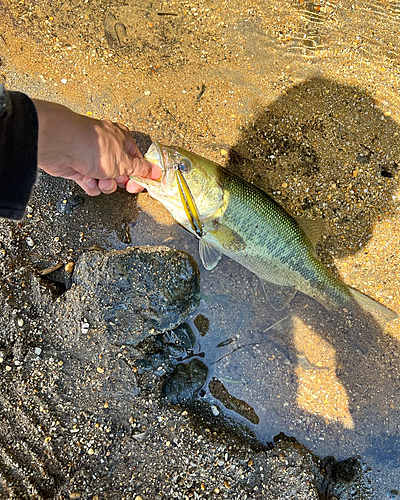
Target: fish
<point x="232" y="217"/>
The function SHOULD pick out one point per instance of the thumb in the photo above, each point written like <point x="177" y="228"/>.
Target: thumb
<point x="143" y="168"/>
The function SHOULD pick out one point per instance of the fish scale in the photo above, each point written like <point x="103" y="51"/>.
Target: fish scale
<point x="277" y="250"/>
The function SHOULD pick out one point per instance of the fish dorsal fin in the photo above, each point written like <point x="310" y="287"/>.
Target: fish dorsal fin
<point x="209" y="255"/>
<point x="314" y="229"/>
<point x="278" y="296"/>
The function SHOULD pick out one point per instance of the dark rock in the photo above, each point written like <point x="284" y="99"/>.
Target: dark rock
<point x="152" y="363"/>
<point x="185" y="382"/>
<point x="180" y="341"/>
<point x="69" y="204"/>
<point x="363" y="159"/>
<point x="202" y="324"/>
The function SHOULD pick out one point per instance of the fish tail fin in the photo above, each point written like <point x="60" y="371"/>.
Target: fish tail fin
<point x="381" y="314"/>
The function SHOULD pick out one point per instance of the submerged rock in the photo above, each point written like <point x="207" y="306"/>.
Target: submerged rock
<point x="180" y="342"/>
<point x="185" y="382"/>
<point x="139" y="291"/>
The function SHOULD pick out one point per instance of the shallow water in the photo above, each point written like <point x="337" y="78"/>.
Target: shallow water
<point x="330" y="381"/>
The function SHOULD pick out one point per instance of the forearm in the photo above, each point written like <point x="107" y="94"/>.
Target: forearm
<point x="18" y="152"/>
<point x="60" y="129"/>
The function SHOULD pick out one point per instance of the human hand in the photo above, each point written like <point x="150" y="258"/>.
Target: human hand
<point x="99" y="155"/>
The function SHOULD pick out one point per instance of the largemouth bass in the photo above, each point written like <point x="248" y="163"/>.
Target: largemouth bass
<point x="232" y="217"/>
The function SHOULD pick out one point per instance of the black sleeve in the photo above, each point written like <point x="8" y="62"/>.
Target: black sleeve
<point x="18" y="152"/>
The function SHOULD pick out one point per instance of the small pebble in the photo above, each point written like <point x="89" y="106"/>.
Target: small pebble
<point x="64" y="80"/>
<point x="69" y="267"/>
<point x="214" y="410"/>
<point x="29" y="241"/>
<point x="20" y="322"/>
<point x="147" y="92"/>
<point x="38" y="351"/>
<point x="139" y="437"/>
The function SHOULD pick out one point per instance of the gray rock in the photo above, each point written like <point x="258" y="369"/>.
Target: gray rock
<point x="138" y="291"/>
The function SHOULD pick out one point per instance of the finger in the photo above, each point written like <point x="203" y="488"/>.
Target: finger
<point x="132" y="148"/>
<point x="156" y="173"/>
<point x="143" y="168"/>
<point x="121" y="180"/>
<point x="107" y="186"/>
<point x="133" y="187"/>
<point x="89" y="185"/>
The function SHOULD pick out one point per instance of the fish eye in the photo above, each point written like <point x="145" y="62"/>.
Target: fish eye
<point x="184" y="165"/>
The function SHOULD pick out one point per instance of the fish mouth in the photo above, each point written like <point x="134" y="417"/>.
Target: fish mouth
<point x="155" y="155"/>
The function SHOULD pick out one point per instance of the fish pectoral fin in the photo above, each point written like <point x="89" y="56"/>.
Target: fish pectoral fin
<point x="314" y="229"/>
<point x="278" y="296"/>
<point x="227" y="237"/>
<point x="209" y="255"/>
